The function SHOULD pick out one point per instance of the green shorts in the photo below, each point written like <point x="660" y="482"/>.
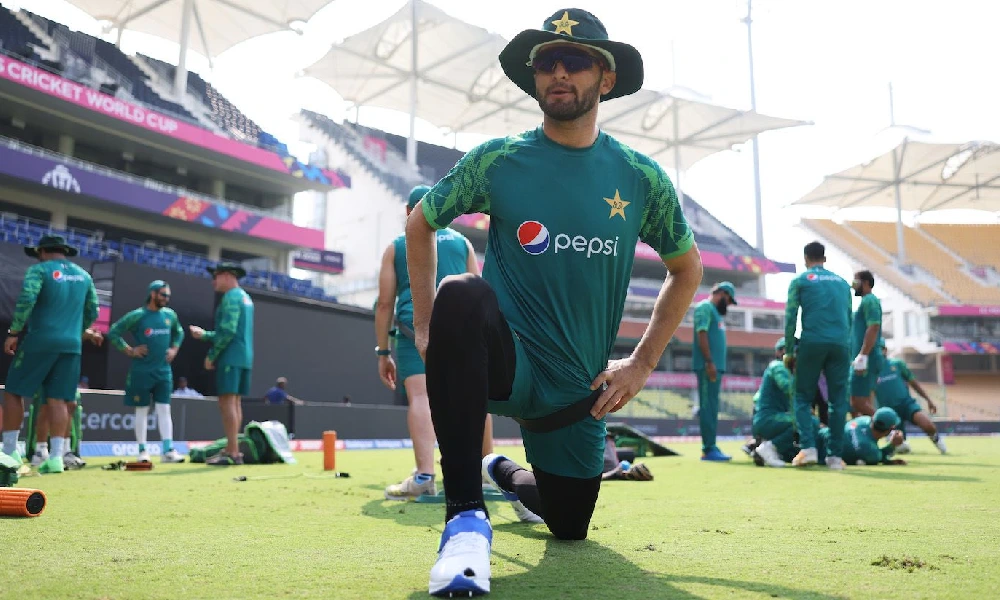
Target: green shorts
<point x="57" y="373"/>
<point x="576" y="450"/>
<point x="864" y="384"/>
<point x="232" y="381"/>
<point x="408" y="362"/>
<point x="905" y="408"/>
<point x="142" y="389"/>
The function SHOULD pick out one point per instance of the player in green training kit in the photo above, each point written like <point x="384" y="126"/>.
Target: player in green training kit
<point x="157" y="334"/>
<point x="866" y="336"/>
<point x="531" y="338"/>
<point x="231" y="355"/>
<point x="892" y="390"/>
<point x="709" y="362"/>
<point x="57" y="304"/>
<point x="825" y="300"/>
<point x="863" y="433"/>
<point x="455" y="255"/>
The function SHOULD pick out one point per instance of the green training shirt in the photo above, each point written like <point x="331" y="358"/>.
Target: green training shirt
<point x="825" y="300"/>
<point x="869" y="313"/>
<point x="158" y="330"/>
<point x="893" y="381"/>
<point x="708" y="319"/>
<point x="777" y="388"/>
<point x="57" y="303"/>
<point x="232" y="339"/>
<point x="452" y="259"/>
<point x="860" y="443"/>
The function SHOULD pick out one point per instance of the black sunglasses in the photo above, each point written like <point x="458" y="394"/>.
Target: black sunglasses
<point x="574" y="60"/>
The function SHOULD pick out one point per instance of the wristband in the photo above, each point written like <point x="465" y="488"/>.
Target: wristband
<point x="381" y="352"/>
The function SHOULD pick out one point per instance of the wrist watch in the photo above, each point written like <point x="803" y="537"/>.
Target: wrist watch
<point x="382" y="352"/>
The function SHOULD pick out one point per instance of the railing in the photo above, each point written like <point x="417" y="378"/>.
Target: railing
<point x="143" y="181"/>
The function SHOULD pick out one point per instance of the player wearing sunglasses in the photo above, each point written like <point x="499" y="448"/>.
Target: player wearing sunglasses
<point x="157" y="334"/>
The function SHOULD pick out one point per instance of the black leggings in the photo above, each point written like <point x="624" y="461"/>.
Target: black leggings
<point x="470" y="359"/>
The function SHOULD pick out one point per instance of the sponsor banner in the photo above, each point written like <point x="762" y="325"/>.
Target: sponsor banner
<point x="963" y="310"/>
<point x="971" y="347"/>
<point x="711" y="260"/>
<point x="125" y="449"/>
<point x="21" y="163"/>
<point x="688" y="381"/>
<point x="745" y="302"/>
<point x="48" y="83"/>
<point x="323" y="261"/>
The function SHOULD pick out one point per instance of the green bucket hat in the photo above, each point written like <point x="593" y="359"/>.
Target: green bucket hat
<point x="228" y="267"/>
<point x="727" y="287"/>
<point x="885" y="419"/>
<point x="50" y="242"/>
<point x="416" y="194"/>
<point x="574" y="26"/>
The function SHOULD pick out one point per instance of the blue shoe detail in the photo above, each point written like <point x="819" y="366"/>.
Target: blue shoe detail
<point x="715" y="455"/>
<point x="463" y="585"/>
<point x="509" y="496"/>
<point x="467" y="520"/>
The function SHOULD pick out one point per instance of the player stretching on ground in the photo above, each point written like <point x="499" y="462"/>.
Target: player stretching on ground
<point x="531" y="338"/>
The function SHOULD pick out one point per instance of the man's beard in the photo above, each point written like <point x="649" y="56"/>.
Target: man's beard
<point x="573" y="109"/>
<point x="858" y="292"/>
<point x="722" y="306"/>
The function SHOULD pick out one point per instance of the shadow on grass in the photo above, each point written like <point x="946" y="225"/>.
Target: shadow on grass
<point x="586" y="569"/>
<point x="575" y="569"/>
<point x="899" y="473"/>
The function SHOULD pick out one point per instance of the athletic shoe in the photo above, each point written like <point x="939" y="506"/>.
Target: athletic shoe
<point x="409" y="489"/>
<point x="463" y="564"/>
<point x="715" y="455"/>
<point x="522" y="512"/>
<point x="16" y="456"/>
<point x="144" y="456"/>
<point x="749" y="447"/>
<point x="806" y="456"/>
<point x="224" y="460"/>
<point x="903" y="448"/>
<point x="39" y="458"/>
<point x="72" y="461"/>
<point x="639" y="472"/>
<point x="940" y="444"/>
<point x="172" y="456"/>
<point x="54" y="464"/>
<point x="835" y="462"/>
<point x="769" y="454"/>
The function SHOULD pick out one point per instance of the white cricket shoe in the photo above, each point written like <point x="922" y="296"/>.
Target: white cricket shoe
<point x="463" y="564"/>
<point x="489" y="462"/>
<point x="835" y="463"/>
<point x="940" y="444"/>
<point x="903" y="448"/>
<point x="172" y="456"/>
<point x="39" y="458"/>
<point x="72" y="461"/>
<point x="806" y="456"/>
<point x="769" y="454"/>
<point x="144" y="456"/>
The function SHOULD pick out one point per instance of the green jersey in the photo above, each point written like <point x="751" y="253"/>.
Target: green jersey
<point x="232" y="340"/>
<point x="57" y="303"/>
<point x="862" y="445"/>
<point x="893" y="381"/>
<point x="777" y="388"/>
<point x="564" y="224"/>
<point x="825" y="300"/>
<point x="708" y="319"/>
<point x="158" y="330"/>
<point x="869" y="313"/>
<point x="452" y="259"/>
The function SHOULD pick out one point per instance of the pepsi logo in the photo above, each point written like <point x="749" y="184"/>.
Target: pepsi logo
<point x="533" y="237"/>
<point x="148" y="332"/>
<point x="811" y="277"/>
<point x="57" y="275"/>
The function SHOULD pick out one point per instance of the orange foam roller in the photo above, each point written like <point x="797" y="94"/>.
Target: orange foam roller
<point x="138" y="466"/>
<point x="19" y="502"/>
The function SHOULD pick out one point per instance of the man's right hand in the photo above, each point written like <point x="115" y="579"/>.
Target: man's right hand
<point x="387" y="371"/>
<point x="10" y="344"/>
<point x="789" y="361"/>
<point x="711" y="372"/>
<point x="139" y="351"/>
<point x="896" y="437"/>
<point x="196" y="332"/>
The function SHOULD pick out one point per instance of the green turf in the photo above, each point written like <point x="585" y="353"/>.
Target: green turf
<point x="927" y="530"/>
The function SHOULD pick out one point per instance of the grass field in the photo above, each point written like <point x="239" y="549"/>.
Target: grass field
<point x="927" y="530"/>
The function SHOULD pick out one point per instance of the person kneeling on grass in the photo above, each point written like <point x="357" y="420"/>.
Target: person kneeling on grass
<point x="892" y="389"/>
<point x="862" y="434"/>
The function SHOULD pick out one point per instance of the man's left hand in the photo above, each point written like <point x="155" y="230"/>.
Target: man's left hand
<point x="171" y="354"/>
<point x="931" y="407"/>
<point x="208" y="364"/>
<point x="625" y="377"/>
<point x="94" y="337"/>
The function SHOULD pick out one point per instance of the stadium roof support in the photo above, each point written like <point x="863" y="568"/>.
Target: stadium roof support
<point x="917" y="177"/>
<point x="461" y="87"/>
<point x="219" y="24"/>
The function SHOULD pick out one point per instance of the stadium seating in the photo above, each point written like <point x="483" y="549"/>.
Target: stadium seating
<point x="23" y="231"/>
<point x="975" y="243"/>
<point x="865" y="252"/>
<point x="15" y="37"/>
